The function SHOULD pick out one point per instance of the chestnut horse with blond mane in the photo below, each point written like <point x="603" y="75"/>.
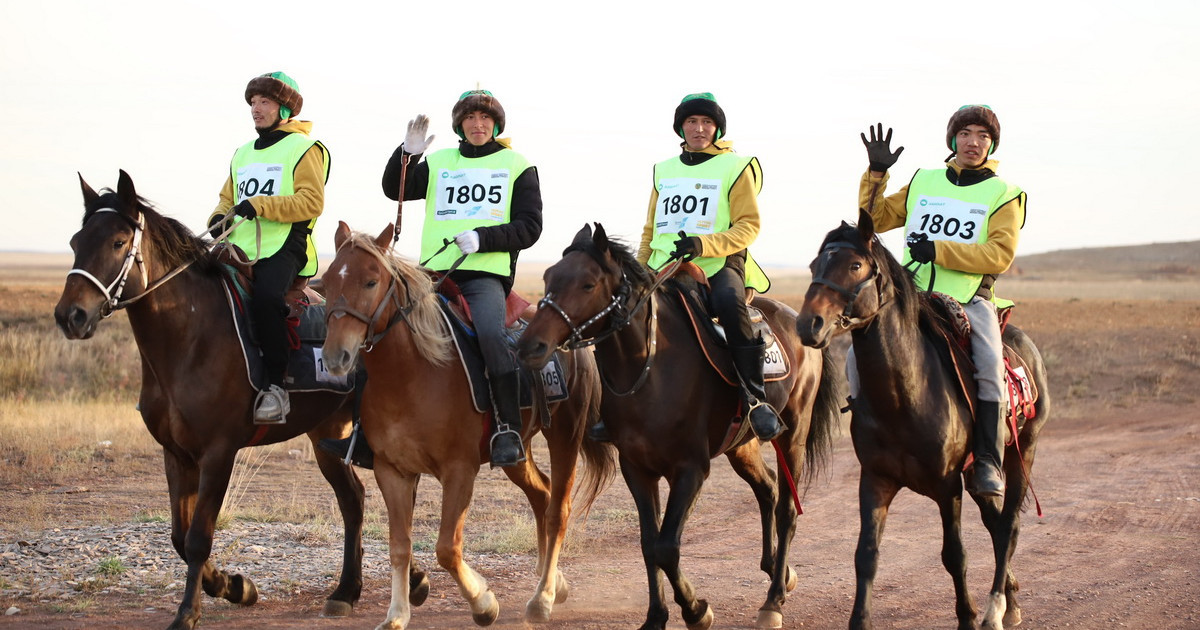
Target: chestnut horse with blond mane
<point x="418" y="416"/>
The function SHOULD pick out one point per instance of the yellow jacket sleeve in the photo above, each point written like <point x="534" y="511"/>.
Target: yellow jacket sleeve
<point x="307" y="200"/>
<point x="888" y="212"/>
<point x="643" y="253"/>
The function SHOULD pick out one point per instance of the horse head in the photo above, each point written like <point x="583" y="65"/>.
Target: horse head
<point x="377" y="291"/>
<point x="106" y="248"/>
<point x="850" y="283"/>
<point x="582" y="291"/>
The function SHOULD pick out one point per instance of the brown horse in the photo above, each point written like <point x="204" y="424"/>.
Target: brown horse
<point x="911" y="422"/>
<point x="196" y="400"/>
<point x="418" y="415"/>
<point x="669" y="413"/>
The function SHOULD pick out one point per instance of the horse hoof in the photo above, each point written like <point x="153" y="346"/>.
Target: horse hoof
<point x="242" y="591"/>
<point x="769" y="619"/>
<point x="336" y="608"/>
<point x="791" y="582"/>
<point x="1012" y="617"/>
<point x="420" y="590"/>
<point x="491" y="610"/>
<point x="561" y="589"/>
<point x="536" y="611"/>
<point x="706" y="620"/>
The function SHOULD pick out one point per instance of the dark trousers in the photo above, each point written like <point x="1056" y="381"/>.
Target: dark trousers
<point x="269" y="311"/>
<point x="486" y="298"/>
<point x="728" y="302"/>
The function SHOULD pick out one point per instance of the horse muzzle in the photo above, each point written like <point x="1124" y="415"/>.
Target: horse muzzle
<point x="75" y="321"/>
<point x="813" y="330"/>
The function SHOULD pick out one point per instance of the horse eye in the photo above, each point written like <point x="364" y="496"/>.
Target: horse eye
<point x="856" y="266"/>
<point x="371" y="284"/>
<point x="118" y="244"/>
<point x="589" y="287"/>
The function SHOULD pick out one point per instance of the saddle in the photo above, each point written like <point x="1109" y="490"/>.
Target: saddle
<point x="690" y="288"/>
<point x="550" y="383"/>
<point x="306" y="329"/>
<point x="954" y="330"/>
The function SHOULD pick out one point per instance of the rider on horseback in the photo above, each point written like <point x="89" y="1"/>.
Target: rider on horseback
<point x="481" y="171"/>
<point x="710" y="195"/>
<point x="963" y="223"/>
<point x="277" y="183"/>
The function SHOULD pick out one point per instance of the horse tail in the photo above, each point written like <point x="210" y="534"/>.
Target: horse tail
<point x="826" y="416"/>
<point x="599" y="467"/>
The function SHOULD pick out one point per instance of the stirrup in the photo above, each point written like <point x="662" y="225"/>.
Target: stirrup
<point x="765" y="434"/>
<point x="506" y="430"/>
<point x="267" y="413"/>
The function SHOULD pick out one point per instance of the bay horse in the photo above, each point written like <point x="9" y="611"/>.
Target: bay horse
<point x="418" y="416"/>
<point x="195" y="398"/>
<point x="911" y="423"/>
<point x="668" y="412"/>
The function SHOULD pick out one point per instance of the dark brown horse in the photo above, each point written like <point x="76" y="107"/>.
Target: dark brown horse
<point x="911" y="422"/>
<point x="668" y="412"/>
<point x="196" y="400"/>
<point x="418" y="415"/>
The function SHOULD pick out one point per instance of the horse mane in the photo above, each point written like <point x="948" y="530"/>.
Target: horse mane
<point x="173" y="241"/>
<point x="622" y="253"/>
<point x="429" y="332"/>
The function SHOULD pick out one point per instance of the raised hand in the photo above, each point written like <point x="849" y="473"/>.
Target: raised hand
<point x="879" y="149"/>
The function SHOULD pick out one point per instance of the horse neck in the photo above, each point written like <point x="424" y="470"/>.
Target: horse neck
<point x="895" y="363"/>
<point x="629" y="345"/>
<point x="167" y="316"/>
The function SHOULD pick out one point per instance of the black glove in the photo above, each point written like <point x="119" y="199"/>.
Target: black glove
<point x="879" y="149"/>
<point x="246" y="209"/>
<point x="216" y="225"/>
<point x="687" y="247"/>
<point x="920" y="248"/>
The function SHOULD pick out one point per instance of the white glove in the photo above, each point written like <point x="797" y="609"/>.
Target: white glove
<point x="468" y="241"/>
<point x="415" y="140"/>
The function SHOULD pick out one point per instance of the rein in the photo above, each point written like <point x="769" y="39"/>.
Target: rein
<point x="113" y="291"/>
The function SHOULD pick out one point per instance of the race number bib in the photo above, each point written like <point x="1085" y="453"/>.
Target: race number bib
<point x="945" y="219"/>
<point x="773" y="362"/>
<point x="688" y="204"/>
<point x="255" y="180"/>
<point x="322" y="372"/>
<point x="472" y="193"/>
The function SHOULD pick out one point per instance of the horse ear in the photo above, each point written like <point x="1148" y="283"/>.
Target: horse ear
<point x="583" y="236"/>
<point x="89" y="195"/>
<point x="385" y="237"/>
<point x="600" y="238"/>
<point x="341" y="235"/>
<point x="126" y="192"/>
<point x="866" y="225"/>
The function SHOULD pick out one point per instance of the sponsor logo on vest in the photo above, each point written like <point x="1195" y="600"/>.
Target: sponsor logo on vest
<point x="707" y="186"/>
<point x="978" y="211"/>
<point x="445" y="212"/>
<point x="500" y="175"/>
<point x="277" y="167"/>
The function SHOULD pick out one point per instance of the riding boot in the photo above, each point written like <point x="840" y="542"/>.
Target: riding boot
<point x="749" y="363"/>
<point x="506" y="445"/>
<point x="599" y="432"/>
<point x="989" y="449"/>
<point x="361" y="456"/>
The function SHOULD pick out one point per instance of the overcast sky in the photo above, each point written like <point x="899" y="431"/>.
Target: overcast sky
<point x="1097" y="102"/>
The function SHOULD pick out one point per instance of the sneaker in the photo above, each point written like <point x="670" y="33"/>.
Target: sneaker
<point x="507" y="449"/>
<point x="272" y="406"/>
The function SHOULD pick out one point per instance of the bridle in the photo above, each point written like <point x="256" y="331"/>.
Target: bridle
<point x="619" y="316"/>
<point x="341" y="307"/>
<point x="845" y="320"/>
<point x="113" y="291"/>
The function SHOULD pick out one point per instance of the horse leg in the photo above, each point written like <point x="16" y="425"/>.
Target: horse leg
<point x="458" y="483"/>
<point x="1004" y="524"/>
<point x="954" y="554"/>
<point x="399" y="492"/>
<point x="350" y="497"/>
<point x="418" y="580"/>
<point x="874" y="498"/>
<point x="644" y="490"/>
<point x="551" y="508"/>
<point x="778" y="523"/>
<point x="685" y="488"/>
<point x="215" y="469"/>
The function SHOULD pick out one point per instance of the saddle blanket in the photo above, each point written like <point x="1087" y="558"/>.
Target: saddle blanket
<point x="306" y="370"/>
<point x="553" y="377"/>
